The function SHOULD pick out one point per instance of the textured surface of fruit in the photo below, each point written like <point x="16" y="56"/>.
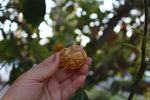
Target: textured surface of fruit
<point x="73" y="57"/>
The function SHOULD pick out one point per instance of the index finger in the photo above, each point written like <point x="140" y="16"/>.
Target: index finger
<point x="67" y="73"/>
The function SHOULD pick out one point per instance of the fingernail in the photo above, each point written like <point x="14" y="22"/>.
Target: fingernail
<point x="88" y="61"/>
<point x="54" y="58"/>
<point x="83" y="77"/>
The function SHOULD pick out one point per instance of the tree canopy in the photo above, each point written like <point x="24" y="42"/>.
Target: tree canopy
<point x="111" y="37"/>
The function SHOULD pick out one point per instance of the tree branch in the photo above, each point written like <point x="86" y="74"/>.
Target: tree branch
<point x="21" y="57"/>
<point x="3" y="86"/>
<point x="3" y="33"/>
<point x="121" y="12"/>
<point x="3" y="65"/>
<point x="24" y="27"/>
<point x="143" y="62"/>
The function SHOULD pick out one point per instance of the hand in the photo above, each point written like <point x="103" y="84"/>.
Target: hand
<point x="46" y="82"/>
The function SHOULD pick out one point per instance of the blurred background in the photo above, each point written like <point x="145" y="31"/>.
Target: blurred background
<point x="109" y="30"/>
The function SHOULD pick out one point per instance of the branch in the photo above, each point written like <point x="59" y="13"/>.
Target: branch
<point x="147" y="63"/>
<point x="143" y="62"/>
<point x="3" y="65"/>
<point x="3" y="33"/>
<point x="121" y="12"/>
<point x="3" y="86"/>
<point x="24" y="27"/>
<point x="21" y="57"/>
<point x="1" y="3"/>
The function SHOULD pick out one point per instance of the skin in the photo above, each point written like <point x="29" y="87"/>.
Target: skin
<point x="46" y="82"/>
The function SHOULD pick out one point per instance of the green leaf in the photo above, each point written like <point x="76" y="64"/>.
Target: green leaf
<point x="80" y="95"/>
<point x="90" y="47"/>
<point x="8" y="50"/>
<point x="39" y="51"/>
<point x="14" y="74"/>
<point x="25" y="65"/>
<point x="130" y="45"/>
<point x="118" y="85"/>
<point x="115" y="87"/>
<point x="34" y="11"/>
<point x="137" y="31"/>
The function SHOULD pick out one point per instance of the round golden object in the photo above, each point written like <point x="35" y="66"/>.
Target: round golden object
<point x="73" y="57"/>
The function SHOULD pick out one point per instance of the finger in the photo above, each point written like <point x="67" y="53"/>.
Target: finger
<point x="65" y="83"/>
<point x="83" y="70"/>
<point x="68" y="81"/>
<point x="54" y="89"/>
<point x="88" y="61"/>
<point x="73" y="87"/>
<point x="66" y="73"/>
<point x="45" y="69"/>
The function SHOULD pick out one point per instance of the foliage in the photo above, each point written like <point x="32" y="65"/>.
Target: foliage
<point x="40" y="52"/>
<point x="38" y="7"/>
<point x="7" y="47"/>
<point x="80" y="95"/>
<point x="114" y="38"/>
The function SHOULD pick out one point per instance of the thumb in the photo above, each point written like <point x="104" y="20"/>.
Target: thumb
<point x="45" y="69"/>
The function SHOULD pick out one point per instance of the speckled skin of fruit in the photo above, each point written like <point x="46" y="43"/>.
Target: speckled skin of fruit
<point x="73" y="57"/>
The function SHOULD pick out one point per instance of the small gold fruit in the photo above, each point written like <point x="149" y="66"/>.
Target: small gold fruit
<point x="58" y="47"/>
<point x="73" y="57"/>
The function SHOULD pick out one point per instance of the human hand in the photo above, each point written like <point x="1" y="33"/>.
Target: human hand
<point x="46" y="82"/>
